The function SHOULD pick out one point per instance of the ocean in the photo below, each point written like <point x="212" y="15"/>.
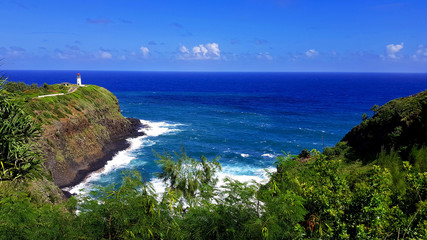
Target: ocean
<point x="246" y="119"/>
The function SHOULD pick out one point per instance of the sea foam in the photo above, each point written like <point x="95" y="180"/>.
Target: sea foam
<point x="154" y="129"/>
<point x="240" y="172"/>
<point x="256" y="175"/>
<point x="244" y="173"/>
<point x="268" y="155"/>
<point x="124" y="158"/>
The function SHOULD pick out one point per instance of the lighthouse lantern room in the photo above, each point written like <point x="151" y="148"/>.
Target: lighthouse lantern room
<point x="79" y="79"/>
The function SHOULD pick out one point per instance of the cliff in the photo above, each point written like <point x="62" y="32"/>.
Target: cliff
<point x="81" y="130"/>
<point x="399" y="124"/>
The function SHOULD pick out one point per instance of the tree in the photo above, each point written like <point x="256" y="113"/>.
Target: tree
<point x="233" y="214"/>
<point x="375" y="109"/>
<point x="17" y="131"/>
<point x="2" y="83"/>
<point x="129" y="210"/>
<point x="364" y="117"/>
<point x="2" y="80"/>
<point x="187" y="176"/>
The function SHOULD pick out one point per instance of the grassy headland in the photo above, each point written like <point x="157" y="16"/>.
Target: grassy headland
<point x="79" y="129"/>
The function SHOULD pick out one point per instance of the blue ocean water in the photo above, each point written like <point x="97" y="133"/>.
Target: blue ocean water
<point x="247" y="119"/>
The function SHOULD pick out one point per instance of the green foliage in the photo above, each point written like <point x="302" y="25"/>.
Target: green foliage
<point x="399" y="125"/>
<point x="418" y="157"/>
<point x="232" y="214"/>
<point x="304" y="154"/>
<point x="130" y="210"/>
<point x="2" y="81"/>
<point x="375" y="109"/>
<point x="89" y="98"/>
<point x="17" y="131"/>
<point x="311" y="200"/>
<point x="334" y="204"/>
<point x="24" y="92"/>
<point x="364" y="117"/>
<point x="414" y="202"/>
<point x="394" y="165"/>
<point x="187" y="176"/>
<point x="18" y="87"/>
<point x="20" y="219"/>
<point x="339" y="151"/>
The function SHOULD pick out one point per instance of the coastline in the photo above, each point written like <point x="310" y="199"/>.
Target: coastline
<point x="110" y="150"/>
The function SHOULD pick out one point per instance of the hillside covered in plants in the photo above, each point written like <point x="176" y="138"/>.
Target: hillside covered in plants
<point x="399" y="125"/>
<point x="78" y="128"/>
<point x="372" y="185"/>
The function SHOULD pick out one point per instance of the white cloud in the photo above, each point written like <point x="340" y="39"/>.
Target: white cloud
<point x="71" y="52"/>
<point x="208" y="51"/>
<point x="421" y="53"/>
<point x="392" y="49"/>
<point x="16" y="51"/>
<point x="105" y="55"/>
<point x="311" y="53"/>
<point x="265" y="56"/>
<point x="61" y="55"/>
<point x="214" y="49"/>
<point x="184" y="49"/>
<point x="145" y="51"/>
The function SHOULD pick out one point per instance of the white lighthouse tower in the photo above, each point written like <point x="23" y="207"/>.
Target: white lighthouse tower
<point x="79" y="80"/>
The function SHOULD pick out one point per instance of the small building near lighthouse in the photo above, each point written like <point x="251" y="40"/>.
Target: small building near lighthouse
<point x="79" y="80"/>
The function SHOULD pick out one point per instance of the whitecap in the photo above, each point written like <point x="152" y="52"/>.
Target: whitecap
<point x="268" y="155"/>
<point x="244" y="173"/>
<point x="154" y="129"/>
<point x="244" y="155"/>
<point x="252" y="175"/>
<point x="124" y="158"/>
<point x="158" y="185"/>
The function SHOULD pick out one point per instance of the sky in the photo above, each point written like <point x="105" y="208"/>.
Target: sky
<point x="220" y="35"/>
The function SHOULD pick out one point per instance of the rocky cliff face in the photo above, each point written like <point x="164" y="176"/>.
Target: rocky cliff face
<point x="81" y="131"/>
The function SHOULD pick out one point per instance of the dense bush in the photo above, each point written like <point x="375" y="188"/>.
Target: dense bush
<point x="399" y="125"/>
<point x="21" y="91"/>
<point x="312" y="200"/>
<point x="19" y="87"/>
<point x="17" y="131"/>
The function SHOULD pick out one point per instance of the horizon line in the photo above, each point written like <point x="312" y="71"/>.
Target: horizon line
<point x="179" y="71"/>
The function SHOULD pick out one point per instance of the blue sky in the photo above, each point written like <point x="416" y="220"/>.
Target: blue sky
<point x="232" y="35"/>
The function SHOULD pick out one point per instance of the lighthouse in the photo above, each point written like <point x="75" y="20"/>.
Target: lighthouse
<point x="79" y="80"/>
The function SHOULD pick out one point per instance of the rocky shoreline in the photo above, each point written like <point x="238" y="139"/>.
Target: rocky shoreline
<point x="116" y="145"/>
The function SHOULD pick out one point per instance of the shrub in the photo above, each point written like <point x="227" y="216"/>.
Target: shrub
<point x="17" y="130"/>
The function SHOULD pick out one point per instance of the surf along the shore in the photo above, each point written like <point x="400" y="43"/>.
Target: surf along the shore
<point x="123" y="160"/>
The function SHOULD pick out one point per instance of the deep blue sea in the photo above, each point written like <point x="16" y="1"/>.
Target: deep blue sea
<point x="247" y="119"/>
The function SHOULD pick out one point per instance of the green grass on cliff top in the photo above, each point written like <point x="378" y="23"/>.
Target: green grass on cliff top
<point x="47" y="109"/>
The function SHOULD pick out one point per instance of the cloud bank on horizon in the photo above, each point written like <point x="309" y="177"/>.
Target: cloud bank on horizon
<point x="242" y="35"/>
<point x="208" y="51"/>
